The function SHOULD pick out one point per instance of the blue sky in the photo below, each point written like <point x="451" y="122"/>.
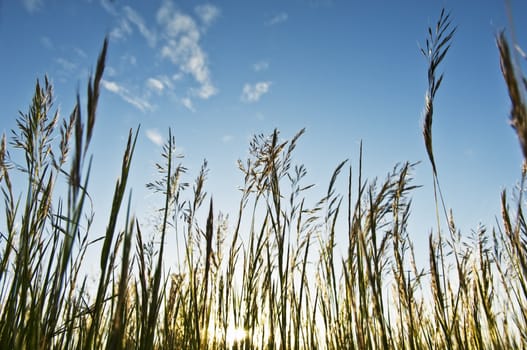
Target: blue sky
<point x="218" y="72"/>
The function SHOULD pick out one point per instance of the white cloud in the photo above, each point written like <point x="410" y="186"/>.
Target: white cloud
<point x="277" y="19"/>
<point x="109" y="7"/>
<point x="154" y="136"/>
<point x="169" y="84"/>
<point x="110" y="71"/>
<point x="121" y="31"/>
<point x="178" y="76"/>
<point x="183" y="49"/>
<point x="207" y="13"/>
<point x="66" y="65"/>
<point x="205" y="91"/>
<point x="253" y="93"/>
<point x="127" y="18"/>
<point x="136" y="101"/>
<point x="160" y="82"/>
<point x="520" y="51"/>
<point x="177" y="23"/>
<point x="129" y="59"/>
<point x="226" y="138"/>
<point x="187" y="103"/>
<point x="155" y="84"/>
<point x="176" y="35"/>
<point x="260" y="66"/>
<point x="32" y="6"/>
<point x="46" y="42"/>
<point x="111" y="86"/>
<point x="137" y="20"/>
<point x="80" y="52"/>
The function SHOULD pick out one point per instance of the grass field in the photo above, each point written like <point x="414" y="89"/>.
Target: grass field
<point x="277" y="283"/>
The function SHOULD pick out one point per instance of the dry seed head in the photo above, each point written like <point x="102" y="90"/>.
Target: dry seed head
<point x="437" y="45"/>
<point x="2" y="151"/>
<point x="427" y="130"/>
<point x="518" y="117"/>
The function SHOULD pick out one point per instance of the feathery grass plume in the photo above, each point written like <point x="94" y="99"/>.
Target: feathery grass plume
<point x="41" y="256"/>
<point x="437" y="45"/>
<point x="513" y="77"/>
<point x="157" y="292"/>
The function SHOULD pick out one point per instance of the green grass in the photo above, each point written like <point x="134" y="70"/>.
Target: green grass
<point x="277" y="282"/>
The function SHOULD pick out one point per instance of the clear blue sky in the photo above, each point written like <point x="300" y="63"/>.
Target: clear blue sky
<point x="218" y="72"/>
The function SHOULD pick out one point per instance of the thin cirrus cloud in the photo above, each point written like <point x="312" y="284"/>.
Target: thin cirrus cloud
<point x="159" y="84"/>
<point x="138" y="102"/>
<point x="123" y="30"/>
<point x="277" y="19"/>
<point x="260" y="66"/>
<point x="253" y="93"/>
<point x="47" y="42"/>
<point x="177" y="38"/>
<point x="32" y="6"/>
<point x="109" y="6"/>
<point x="207" y="13"/>
<point x="65" y="64"/>
<point x="154" y="136"/>
<point x="132" y="16"/>
<point x="183" y="48"/>
<point x="226" y="138"/>
<point x="187" y="103"/>
<point x="128" y="20"/>
<point x="155" y="84"/>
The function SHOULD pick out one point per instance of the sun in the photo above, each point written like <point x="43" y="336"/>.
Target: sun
<point x="235" y="335"/>
<point x="232" y="335"/>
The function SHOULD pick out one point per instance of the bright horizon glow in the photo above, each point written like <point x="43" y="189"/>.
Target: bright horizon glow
<point x="235" y="335"/>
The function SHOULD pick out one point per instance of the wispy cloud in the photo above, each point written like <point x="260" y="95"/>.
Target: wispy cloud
<point x="226" y="138"/>
<point x="253" y="93"/>
<point x="111" y="86"/>
<point x="520" y="51"/>
<point x="207" y="13"/>
<point x="155" y="84"/>
<point x="32" y="6"/>
<point x="109" y="7"/>
<point x="138" y="102"/>
<point x="46" y="42"/>
<point x="183" y="49"/>
<point x="137" y="20"/>
<point x="129" y="59"/>
<point x="154" y="136"/>
<point x="128" y="20"/>
<point x="110" y="71"/>
<point x="80" y="52"/>
<point x="66" y="65"/>
<point x="122" y="30"/>
<point x="277" y="19"/>
<point x="176" y="36"/>
<point x="160" y="84"/>
<point x="187" y="103"/>
<point x="261" y="66"/>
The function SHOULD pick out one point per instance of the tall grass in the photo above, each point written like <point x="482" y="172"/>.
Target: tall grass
<point x="271" y="279"/>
